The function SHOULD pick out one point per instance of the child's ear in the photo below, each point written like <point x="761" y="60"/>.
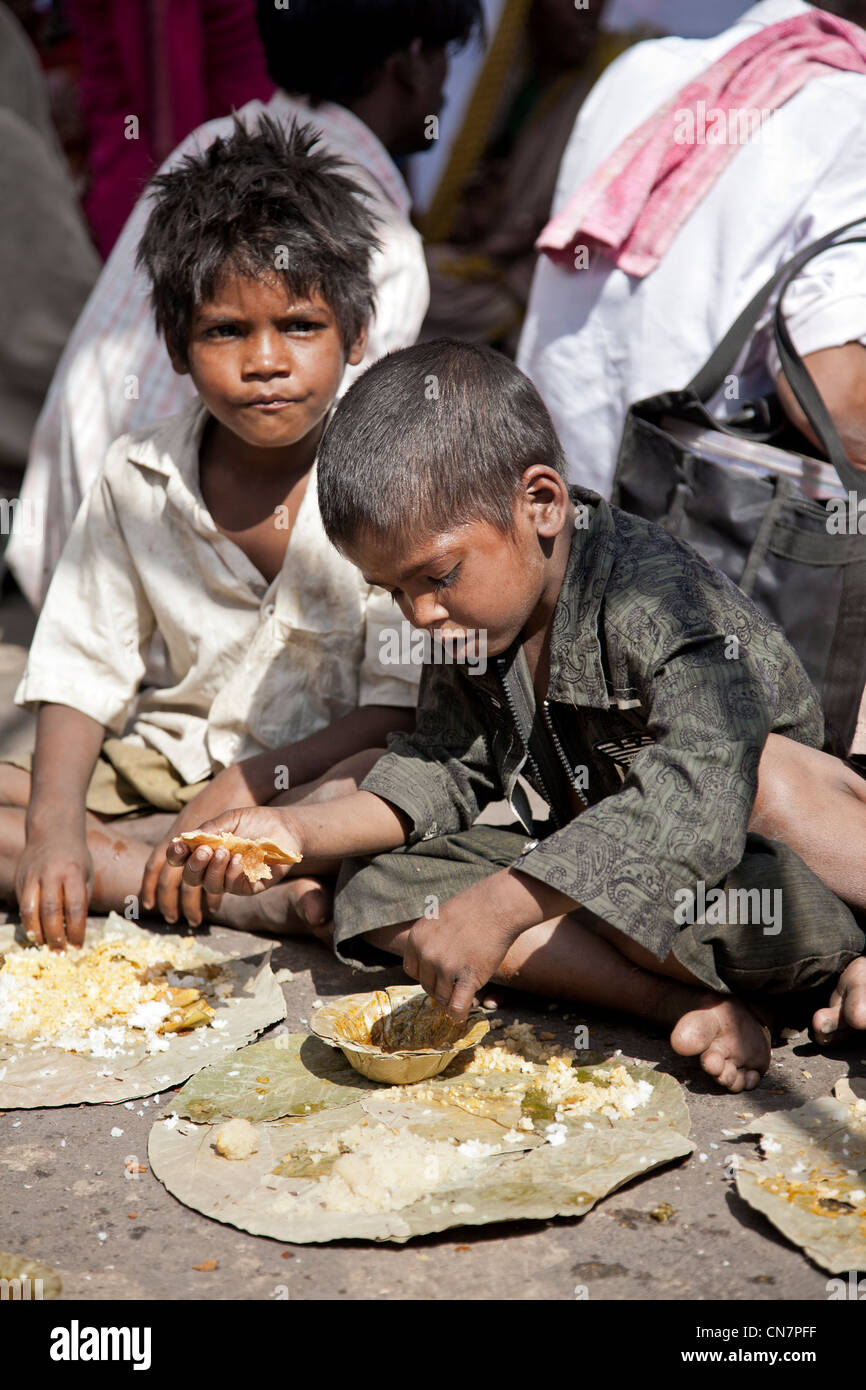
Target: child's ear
<point x="177" y="362"/>
<point x="547" y="494"/>
<point x="358" y="348"/>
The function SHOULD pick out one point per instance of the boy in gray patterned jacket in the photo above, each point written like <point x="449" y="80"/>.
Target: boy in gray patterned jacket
<point x="664" y="722"/>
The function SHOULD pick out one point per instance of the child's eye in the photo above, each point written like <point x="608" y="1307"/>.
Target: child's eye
<point x="446" y="581"/>
<point x="301" y="325"/>
<point x="222" y="330"/>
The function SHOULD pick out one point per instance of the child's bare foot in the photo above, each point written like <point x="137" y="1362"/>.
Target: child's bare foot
<point x="297" y="907"/>
<point x="846" y="1012"/>
<point x="732" y="1041"/>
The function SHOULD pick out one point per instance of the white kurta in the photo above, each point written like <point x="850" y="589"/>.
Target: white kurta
<point x="115" y="374"/>
<point x="595" y="340"/>
<point x="251" y="665"/>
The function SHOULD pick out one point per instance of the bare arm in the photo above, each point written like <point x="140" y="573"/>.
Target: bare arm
<point x="67" y="746"/>
<point x="254" y="782"/>
<point x="359" y="824"/>
<point x="55" y="872"/>
<point x="309" y="758"/>
<point x="840" y="375"/>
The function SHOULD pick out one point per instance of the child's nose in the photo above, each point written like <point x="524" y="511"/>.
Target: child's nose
<point x="267" y="355"/>
<point x="427" y="609"/>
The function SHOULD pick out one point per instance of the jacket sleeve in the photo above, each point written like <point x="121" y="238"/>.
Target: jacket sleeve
<point x="442" y="775"/>
<point x="683" y="809"/>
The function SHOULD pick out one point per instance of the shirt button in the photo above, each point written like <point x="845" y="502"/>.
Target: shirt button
<point x="269" y="610"/>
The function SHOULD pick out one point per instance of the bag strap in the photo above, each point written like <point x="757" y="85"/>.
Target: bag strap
<point x="808" y="395"/>
<point x="711" y="376"/>
<point x="783" y="490"/>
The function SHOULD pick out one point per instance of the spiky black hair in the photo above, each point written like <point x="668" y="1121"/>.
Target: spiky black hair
<point x="259" y="201"/>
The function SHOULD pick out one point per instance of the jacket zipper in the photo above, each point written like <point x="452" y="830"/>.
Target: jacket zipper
<point x="500" y="663"/>
<point x="573" y="781"/>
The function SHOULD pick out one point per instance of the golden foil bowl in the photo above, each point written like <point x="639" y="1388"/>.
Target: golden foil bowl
<point x="398" y="1035"/>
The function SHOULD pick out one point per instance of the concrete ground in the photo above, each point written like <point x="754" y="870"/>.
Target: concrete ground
<point x="57" y="1198"/>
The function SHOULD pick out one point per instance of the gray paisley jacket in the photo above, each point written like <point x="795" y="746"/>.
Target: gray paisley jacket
<point x="664" y="684"/>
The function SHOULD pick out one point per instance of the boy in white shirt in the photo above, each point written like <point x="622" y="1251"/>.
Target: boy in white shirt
<point x="200" y="547"/>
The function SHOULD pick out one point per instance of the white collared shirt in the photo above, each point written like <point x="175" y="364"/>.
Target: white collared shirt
<point x="251" y="665"/>
<point x="115" y="374"/>
<point x="596" y="340"/>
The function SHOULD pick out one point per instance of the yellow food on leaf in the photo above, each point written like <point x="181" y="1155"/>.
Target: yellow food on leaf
<point x="101" y="998"/>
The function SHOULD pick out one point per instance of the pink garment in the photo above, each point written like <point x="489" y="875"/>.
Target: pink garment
<point x="171" y="64"/>
<point x="634" y="204"/>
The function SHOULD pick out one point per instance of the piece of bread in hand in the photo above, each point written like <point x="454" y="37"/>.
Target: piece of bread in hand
<point x="254" y="853"/>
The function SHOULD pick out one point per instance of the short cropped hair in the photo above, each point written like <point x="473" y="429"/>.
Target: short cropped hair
<point x="330" y="50"/>
<point x="256" y="202"/>
<point x="431" y="437"/>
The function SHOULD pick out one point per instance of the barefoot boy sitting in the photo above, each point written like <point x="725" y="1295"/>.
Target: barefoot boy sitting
<point x="200" y="549"/>
<point x="629" y="682"/>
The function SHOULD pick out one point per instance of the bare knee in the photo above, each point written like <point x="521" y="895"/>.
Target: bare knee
<point x="794" y="781"/>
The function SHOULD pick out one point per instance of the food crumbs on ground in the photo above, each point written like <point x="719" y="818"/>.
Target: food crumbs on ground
<point x="663" y="1212"/>
<point x="206" y="1266"/>
<point x="236" y="1139"/>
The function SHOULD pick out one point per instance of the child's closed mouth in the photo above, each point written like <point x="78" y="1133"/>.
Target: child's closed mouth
<point x="274" y="402"/>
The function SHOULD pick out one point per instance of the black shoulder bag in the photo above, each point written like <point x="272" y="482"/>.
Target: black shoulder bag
<point x="801" y="561"/>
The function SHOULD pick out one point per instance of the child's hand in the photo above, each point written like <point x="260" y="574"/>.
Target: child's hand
<point x="454" y="956"/>
<point x="163" y="887"/>
<point x="53" y="883"/>
<point x="216" y="871"/>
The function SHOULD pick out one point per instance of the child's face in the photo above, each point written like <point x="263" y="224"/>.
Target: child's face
<point x="266" y="364"/>
<point x="475" y="578"/>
